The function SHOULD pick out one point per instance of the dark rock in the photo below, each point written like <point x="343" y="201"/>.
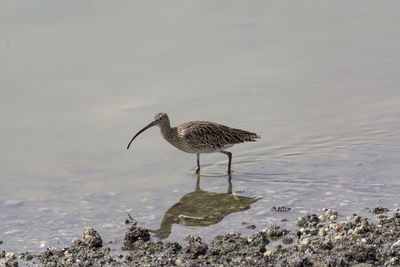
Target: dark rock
<point x="379" y="210"/>
<point x="287" y="240"/>
<point x="251" y="226"/>
<point x="259" y="239"/>
<point x="275" y="232"/>
<point x="280" y="209"/>
<point x="195" y="247"/>
<point x="135" y="233"/>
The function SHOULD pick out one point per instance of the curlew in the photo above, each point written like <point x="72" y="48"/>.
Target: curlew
<point x="200" y="137"/>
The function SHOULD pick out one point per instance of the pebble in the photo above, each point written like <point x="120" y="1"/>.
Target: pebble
<point x="322" y="232"/>
<point x="396" y="244"/>
<point x="287" y="240"/>
<point x="330" y="212"/>
<point x="268" y="253"/>
<point x="280" y="209"/>
<point x="381" y="217"/>
<point x="305" y="241"/>
<point x="300" y="221"/>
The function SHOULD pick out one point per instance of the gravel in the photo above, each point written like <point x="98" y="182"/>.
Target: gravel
<point x="316" y="242"/>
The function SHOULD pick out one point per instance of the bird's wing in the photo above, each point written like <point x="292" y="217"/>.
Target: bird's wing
<point x="202" y="134"/>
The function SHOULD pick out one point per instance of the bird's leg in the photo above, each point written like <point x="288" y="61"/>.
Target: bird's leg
<point x="198" y="162"/>
<point x="230" y="184"/>
<point x="229" y="154"/>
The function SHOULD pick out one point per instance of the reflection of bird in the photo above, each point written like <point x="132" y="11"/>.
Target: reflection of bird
<point x="202" y="208"/>
<point x="200" y="136"/>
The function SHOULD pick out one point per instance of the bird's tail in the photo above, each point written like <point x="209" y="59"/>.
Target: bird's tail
<point x="250" y="137"/>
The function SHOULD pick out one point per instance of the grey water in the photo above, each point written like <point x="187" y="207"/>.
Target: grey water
<point x="318" y="80"/>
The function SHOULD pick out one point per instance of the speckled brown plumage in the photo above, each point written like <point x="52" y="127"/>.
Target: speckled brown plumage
<point x="206" y="137"/>
<point x="200" y="136"/>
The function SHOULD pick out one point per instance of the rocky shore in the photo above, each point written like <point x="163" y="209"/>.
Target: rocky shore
<point x="320" y="240"/>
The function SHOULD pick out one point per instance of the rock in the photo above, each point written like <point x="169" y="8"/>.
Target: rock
<point x="26" y="256"/>
<point x="268" y="253"/>
<point x="135" y="233"/>
<point x="10" y="256"/>
<point x="381" y="217"/>
<point x="287" y="240"/>
<point x="396" y="245"/>
<point x="328" y="213"/>
<point x="298" y="260"/>
<point x="195" y="247"/>
<point x="92" y="238"/>
<point x="251" y="226"/>
<point x="305" y="241"/>
<point x="280" y="209"/>
<point x="259" y="240"/>
<point x="322" y="232"/>
<point x="379" y="210"/>
<point x="76" y="242"/>
<point x="8" y="259"/>
<point x="357" y="219"/>
<point x="275" y="232"/>
<point x="300" y="221"/>
<point x="333" y="218"/>
<point x="9" y="263"/>
<point x="326" y="245"/>
<point x="394" y="261"/>
<point x="362" y="252"/>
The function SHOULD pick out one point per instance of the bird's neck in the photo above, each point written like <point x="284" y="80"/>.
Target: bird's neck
<point x="167" y="132"/>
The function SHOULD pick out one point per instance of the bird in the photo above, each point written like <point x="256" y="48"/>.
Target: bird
<point x="199" y="137"/>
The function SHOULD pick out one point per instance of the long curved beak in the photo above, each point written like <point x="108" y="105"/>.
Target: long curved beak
<point x="141" y="131"/>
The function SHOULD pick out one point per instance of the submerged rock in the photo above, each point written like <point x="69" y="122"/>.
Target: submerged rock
<point x="379" y="210"/>
<point x="280" y="209"/>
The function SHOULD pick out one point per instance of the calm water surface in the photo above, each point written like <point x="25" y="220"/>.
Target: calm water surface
<point x="318" y="80"/>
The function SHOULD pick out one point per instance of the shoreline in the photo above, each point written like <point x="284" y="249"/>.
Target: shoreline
<point x="319" y="240"/>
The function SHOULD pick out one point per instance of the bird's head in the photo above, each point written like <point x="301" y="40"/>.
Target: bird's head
<point x="160" y="119"/>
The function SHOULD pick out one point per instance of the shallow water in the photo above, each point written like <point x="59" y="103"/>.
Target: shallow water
<point x="319" y="81"/>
